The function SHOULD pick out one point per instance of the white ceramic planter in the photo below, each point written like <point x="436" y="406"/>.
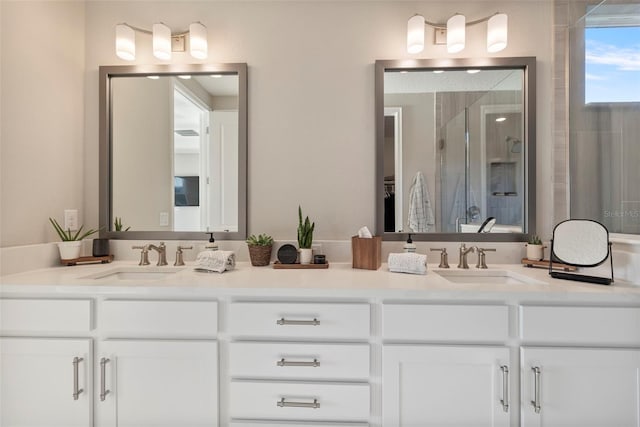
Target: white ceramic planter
<point x="535" y="252"/>
<point x="70" y="250"/>
<point x="305" y="256"/>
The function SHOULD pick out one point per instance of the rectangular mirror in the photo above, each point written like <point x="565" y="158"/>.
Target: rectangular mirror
<point x="173" y="151"/>
<point x="455" y="149"/>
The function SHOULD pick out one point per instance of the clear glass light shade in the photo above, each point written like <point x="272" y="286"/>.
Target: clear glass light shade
<point x="161" y="41"/>
<point x="415" y="34"/>
<point x="455" y="33"/>
<point x="125" y="42"/>
<point x="198" y="40"/>
<point x="497" y="32"/>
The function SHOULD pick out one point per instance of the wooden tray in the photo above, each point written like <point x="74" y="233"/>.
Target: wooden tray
<point x="87" y="260"/>
<point x="279" y="266"/>
<point x="545" y="264"/>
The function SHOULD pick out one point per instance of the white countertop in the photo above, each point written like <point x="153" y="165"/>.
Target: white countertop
<point x="339" y="280"/>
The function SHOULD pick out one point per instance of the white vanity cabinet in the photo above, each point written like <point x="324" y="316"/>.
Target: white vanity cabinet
<point x="593" y="379"/>
<point x="46" y="382"/>
<point x="299" y="363"/>
<point x="429" y="378"/>
<point x="157" y="363"/>
<point x="45" y="379"/>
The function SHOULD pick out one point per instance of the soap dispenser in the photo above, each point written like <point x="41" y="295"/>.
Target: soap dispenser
<point x="409" y="247"/>
<point x="212" y="245"/>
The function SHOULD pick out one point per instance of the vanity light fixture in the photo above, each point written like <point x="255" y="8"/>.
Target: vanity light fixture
<point x="474" y="71"/>
<point x="455" y="30"/>
<point x="164" y="41"/>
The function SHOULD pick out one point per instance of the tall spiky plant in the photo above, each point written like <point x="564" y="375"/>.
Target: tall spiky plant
<point x="67" y="236"/>
<point x="305" y="231"/>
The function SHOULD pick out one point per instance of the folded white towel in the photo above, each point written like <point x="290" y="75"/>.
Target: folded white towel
<point x="215" y="261"/>
<point x="411" y="263"/>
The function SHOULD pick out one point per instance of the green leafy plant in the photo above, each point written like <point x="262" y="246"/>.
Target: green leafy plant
<point x="535" y="240"/>
<point x="118" y="224"/>
<point x="260" y="240"/>
<point x="68" y="236"/>
<point x="305" y="231"/>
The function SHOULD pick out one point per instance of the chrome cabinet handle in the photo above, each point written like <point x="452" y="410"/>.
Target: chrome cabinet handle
<point x="505" y="388"/>
<point x="314" y="364"/>
<point x="312" y="405"/>
<point x="536" y="393"/>
<point x="283" y="321"/>
<point x="76" y="387"/>
<point x="103" y="386"/>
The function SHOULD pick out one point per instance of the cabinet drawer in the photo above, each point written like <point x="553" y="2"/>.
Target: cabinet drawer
<point x="580" y="325"/>
<point x="159" y="318"/>
<point x="475" y="323"/>
<point x="299" y="361"/>
<point x="45" y="315"/>
<point x="263" y="400"/>
<point x="299" y="320"/>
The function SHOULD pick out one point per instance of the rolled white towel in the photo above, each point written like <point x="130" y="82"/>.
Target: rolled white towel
<point x="215" y="261"/>
<point x="411" y="263"/>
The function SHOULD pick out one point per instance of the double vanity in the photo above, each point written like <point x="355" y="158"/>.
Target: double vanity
<point x="122" y="344"/>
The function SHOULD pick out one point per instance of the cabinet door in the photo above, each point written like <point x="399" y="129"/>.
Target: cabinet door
<point x="39" y="379"/>
<point x="580" y="387"/>
<point x="157" y="383"/>
<point x="438" y="385"/>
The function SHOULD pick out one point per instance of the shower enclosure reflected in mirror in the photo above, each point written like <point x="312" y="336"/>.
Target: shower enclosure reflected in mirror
<point x="173" y="151"/>
<point x="456" y="147"/>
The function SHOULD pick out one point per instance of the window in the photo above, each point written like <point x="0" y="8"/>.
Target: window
<point x="612" y="54"/>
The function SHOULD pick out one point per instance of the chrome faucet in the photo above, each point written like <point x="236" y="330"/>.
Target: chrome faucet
<point x="464" y="251"/>
<point x="482" y="263"/>
<point x="162" y="253"/>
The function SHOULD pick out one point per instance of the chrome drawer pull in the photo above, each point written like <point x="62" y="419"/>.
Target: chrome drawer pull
<point x="283" y="362"/>
<point x="536" y="392"/>
<point x="103" y="368"/>
<point x="505" y="388"/>
<point x="283" y="321"/>
<point x="282" y="404"/>
<point x="76" y="388"/>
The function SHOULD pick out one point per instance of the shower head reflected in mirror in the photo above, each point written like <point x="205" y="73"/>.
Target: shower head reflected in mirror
<point x="516" y="144"/>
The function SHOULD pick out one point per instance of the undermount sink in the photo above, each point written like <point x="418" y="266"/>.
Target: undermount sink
<point x="133" y="273"/>
<point x="495" y="277"/>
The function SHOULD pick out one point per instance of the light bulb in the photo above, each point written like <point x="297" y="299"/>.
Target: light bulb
<point x="161" y="42"/>
<point x="497" y="32"/>
<point x="198" y="40"/>
<point x="415" y="34"/>
<point x="455" y="33"/>
<point x="125" y="42"/>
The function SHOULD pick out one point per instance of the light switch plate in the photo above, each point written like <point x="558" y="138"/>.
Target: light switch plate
<point x="71" y="219"/>
<point x="164" y="219"/>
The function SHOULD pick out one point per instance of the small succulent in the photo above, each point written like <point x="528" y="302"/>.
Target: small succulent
<point x="118" y="224"/>
<point x="260" y="240"/>
<point x="305" y="231"/>
<point x="535" y="240"/>
<point x="68" y="236"/>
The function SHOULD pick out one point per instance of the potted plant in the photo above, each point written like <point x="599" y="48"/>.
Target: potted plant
<point x="260" y="249"/>
<point x="71" y="244"/>
<point x="305" y="237"/>
<point x="535" y="249"/>
<point x="118" y="224"/>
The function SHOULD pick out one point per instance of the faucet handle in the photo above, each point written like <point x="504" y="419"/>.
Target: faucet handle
<point x="482" y="263"/>
<point x="144" y="254"/>
<point x="444" y="257"/>
<point x="179" y="259"/>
